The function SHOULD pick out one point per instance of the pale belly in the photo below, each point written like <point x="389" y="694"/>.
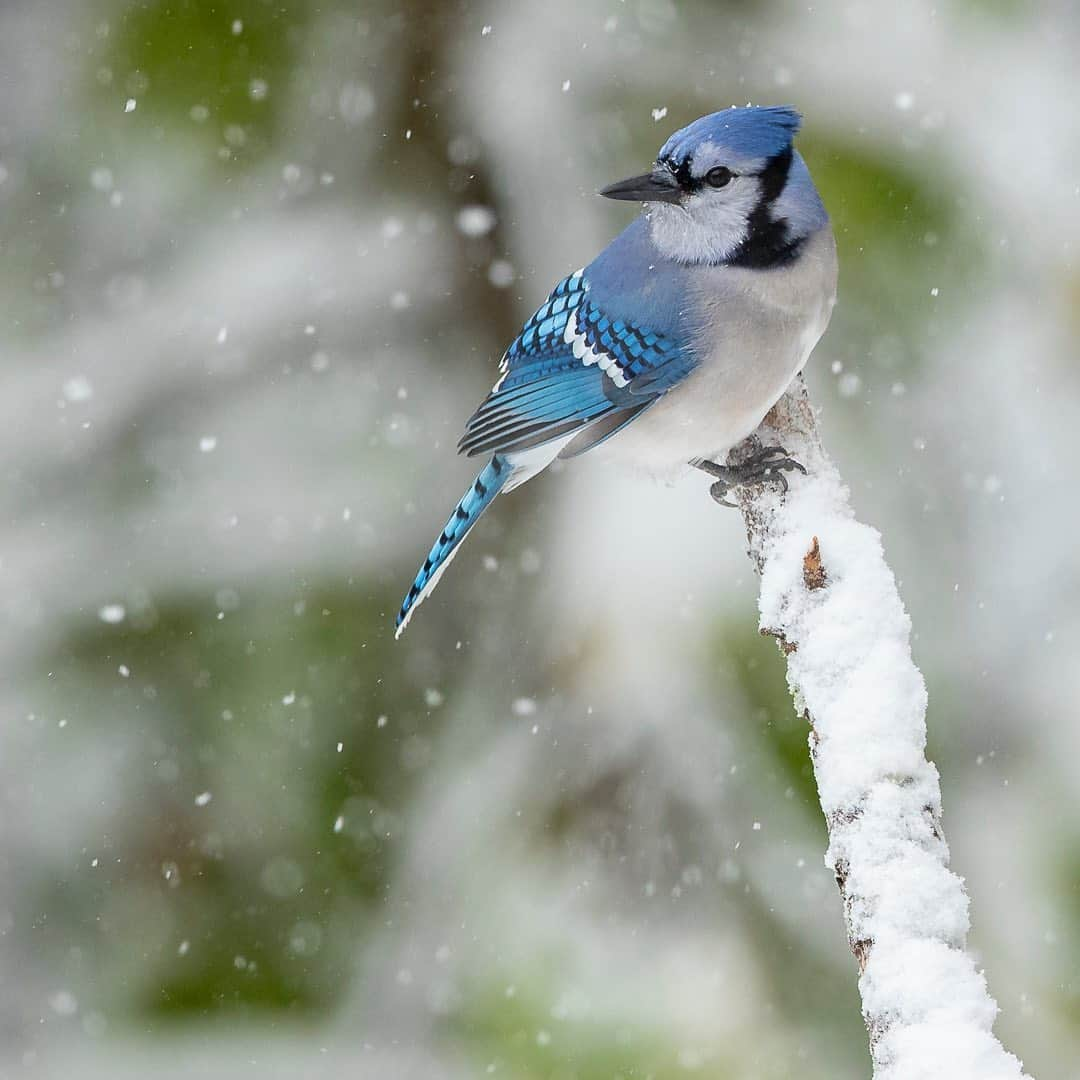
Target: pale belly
<point x="762" y="333"/>
<point x="704" y="417"/>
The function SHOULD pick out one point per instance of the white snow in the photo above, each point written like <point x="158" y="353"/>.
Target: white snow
<point x="475" y="220"/>
<point x="101" y="179"/>
<point x="501" y="273"/>
<point x="356" y="103"/>
<point x="112" y="613"/>
<point x="78" y="388"/>
<point x="852" y="671"/>
<point x="63" y="1003"/>
<point x="849" y="384"/>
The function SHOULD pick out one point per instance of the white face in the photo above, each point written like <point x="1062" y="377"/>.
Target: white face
<point x="708" y="225"/>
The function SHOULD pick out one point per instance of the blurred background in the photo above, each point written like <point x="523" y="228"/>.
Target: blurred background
<point x="258" y="261"/>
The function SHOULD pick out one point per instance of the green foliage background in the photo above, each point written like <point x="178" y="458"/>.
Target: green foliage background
<point x="247" y="787"/>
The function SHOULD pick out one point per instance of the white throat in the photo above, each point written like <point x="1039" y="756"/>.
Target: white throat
<point x="705" y="228"/>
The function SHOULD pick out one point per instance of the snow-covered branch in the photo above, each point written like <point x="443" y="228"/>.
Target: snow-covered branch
<point x="831" y="601"/>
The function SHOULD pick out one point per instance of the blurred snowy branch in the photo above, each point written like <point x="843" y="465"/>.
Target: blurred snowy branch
<point x="831" y="601"/>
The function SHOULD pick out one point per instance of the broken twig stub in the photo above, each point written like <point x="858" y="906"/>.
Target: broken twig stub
<point x="813" y="571"/>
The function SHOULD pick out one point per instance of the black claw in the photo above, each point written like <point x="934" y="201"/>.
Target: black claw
<point x="719" y="490"/>
<point x="712" y="468"/>
<point x="768" y="465"/>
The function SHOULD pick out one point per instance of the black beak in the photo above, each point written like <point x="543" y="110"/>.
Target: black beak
<point x="657" y="186"/>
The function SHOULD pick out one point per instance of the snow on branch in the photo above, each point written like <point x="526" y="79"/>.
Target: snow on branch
<point x="830" y="600"/>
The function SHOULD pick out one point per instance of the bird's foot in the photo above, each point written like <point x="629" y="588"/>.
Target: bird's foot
<point x="767" y="465"/>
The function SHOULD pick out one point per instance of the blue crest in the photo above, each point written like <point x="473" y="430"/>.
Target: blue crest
<point x="755" y="131"/>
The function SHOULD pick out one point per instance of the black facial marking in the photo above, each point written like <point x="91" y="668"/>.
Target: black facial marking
<point x="717" y="177"/>
<point x="767" y="241"/>
<point x="774" y="175"/>
<point x="681" y="171"/>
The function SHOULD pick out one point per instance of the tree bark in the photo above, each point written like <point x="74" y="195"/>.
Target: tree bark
<point x="830" y="600"/>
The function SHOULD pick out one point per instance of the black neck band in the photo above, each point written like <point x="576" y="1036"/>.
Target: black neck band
<point x="767" y="241"/>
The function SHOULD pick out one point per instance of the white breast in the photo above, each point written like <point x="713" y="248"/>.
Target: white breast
<point x="754" y="330"/>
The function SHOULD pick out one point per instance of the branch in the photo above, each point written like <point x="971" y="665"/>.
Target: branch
<point x="830" y="600"/>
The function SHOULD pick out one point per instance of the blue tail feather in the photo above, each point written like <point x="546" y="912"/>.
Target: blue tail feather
<point x="467" y="512"/>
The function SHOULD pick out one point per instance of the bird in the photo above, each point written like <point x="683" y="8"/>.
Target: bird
<point x="669" y="348"/>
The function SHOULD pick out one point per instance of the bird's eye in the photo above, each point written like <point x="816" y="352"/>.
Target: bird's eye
<point x="719" y="176"/>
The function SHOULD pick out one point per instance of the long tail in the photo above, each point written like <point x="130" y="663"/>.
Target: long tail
<point x="467" y="512"/>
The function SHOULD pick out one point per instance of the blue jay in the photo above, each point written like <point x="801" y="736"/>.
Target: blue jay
<point x="670" y="347"/>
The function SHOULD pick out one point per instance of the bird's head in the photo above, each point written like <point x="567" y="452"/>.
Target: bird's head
<point x="729" y="188"/>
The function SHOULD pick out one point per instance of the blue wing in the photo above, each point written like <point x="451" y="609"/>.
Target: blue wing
<point x="574" y="369"/>
<point x="608" y="342"/>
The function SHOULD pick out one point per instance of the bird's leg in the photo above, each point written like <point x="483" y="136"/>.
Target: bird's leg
<point x="768" y="463"/>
